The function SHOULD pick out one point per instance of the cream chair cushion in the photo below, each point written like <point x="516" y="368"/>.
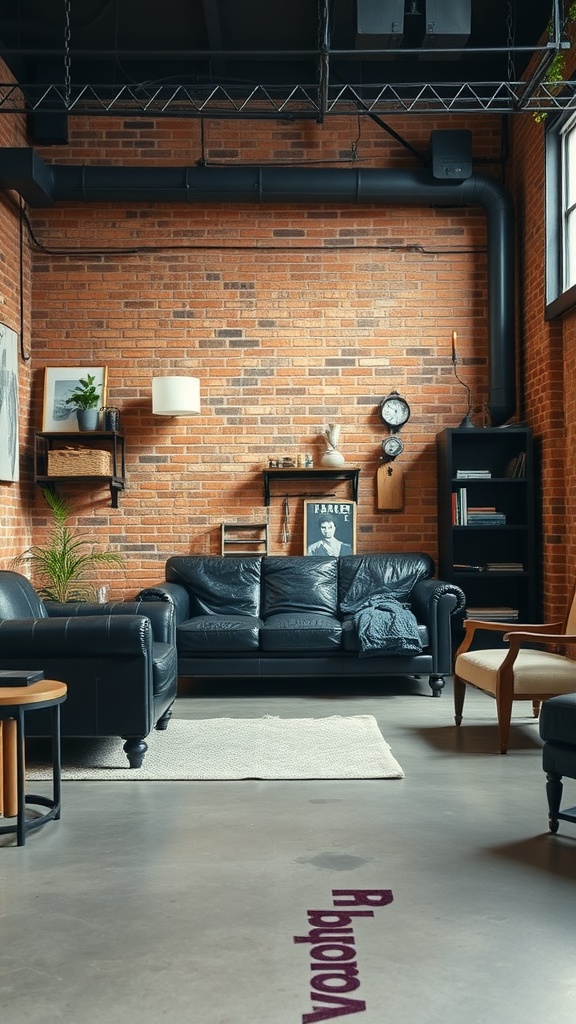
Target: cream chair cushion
<point x="537" y="672"/>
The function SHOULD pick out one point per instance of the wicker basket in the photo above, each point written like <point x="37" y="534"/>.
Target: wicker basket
<point x="79" y="462"/>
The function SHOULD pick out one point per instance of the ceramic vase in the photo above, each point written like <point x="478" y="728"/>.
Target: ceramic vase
<point x="332" y="459"/>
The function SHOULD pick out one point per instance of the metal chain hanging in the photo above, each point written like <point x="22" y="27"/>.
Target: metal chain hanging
<point x="67" y="59"/>
<point x="510" y="41"/>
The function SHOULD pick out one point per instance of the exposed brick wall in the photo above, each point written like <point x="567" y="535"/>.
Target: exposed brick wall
<point x="548" y="366"/>
<point x="15" y="498"/>
<point x="291" y="316"/>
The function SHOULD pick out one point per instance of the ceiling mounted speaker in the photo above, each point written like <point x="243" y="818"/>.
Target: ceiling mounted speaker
<point x="448" y="26"/>
<point x="379" y="24"/>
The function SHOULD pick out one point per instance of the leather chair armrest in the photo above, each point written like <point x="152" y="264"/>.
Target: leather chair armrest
<point x="173" y="593"/>
<point x="85" y="637"/>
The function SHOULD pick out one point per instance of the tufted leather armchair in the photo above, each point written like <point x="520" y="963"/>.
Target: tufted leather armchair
<point x="118" y="661"/>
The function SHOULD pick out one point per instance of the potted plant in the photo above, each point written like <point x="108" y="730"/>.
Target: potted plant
<point x="61" y="566"/>
<point x="86" y="401"/>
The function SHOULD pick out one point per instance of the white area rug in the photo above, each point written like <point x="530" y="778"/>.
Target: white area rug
<point x="239" y="748"/>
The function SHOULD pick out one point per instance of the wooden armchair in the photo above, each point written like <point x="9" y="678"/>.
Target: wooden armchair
<point x="521" y="672"/>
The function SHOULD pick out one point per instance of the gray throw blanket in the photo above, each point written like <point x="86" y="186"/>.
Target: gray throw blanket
<point x="384" y="626"/>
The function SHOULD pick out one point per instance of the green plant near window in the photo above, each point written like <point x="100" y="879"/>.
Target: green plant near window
<point x="61" y="566"/>
<point x="85" y="394"/>
<point x="557" y="69"/>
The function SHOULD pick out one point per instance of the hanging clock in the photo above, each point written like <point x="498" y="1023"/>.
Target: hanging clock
<point x="395" y="411"/>
<point x="392" y="446"/>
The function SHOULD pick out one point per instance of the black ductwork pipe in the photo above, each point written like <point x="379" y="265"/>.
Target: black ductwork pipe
<point x="42" y="184"/>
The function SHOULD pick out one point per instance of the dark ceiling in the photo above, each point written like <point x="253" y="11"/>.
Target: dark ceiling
<point x="259" y="58"/>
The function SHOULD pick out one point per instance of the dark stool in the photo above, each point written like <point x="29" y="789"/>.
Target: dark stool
<point x="558" y="730"/>
<point x="15" y="703"/>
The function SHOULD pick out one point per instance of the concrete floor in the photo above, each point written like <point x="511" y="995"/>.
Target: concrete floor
<point x="179" y="902"/>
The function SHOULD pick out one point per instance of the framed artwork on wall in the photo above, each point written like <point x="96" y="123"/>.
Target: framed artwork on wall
<point x="59" y="383"/>
<point x="9" y="447"/>
<point x="329" y="527"/>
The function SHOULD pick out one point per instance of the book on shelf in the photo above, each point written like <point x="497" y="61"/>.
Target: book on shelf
<point x="473" y="474"/>
<point x="468" y="567"/>
<point x="499" y="614"/>
<point x="462" y="506"/>
<point x="504" y="567"/>
<point x="485" y="517"/>
<point x="464" y="514"/>
<point x="516" y="467"/>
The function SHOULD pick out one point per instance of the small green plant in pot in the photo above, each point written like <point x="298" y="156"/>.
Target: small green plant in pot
<point x="60" y="567"/>
<point x="86" y="400"/>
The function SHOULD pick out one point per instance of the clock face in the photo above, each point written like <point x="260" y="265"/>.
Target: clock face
<point x="392" y="446"/>
<point x="394" y="410"/>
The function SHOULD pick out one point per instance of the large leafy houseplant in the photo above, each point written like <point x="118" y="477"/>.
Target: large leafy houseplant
<point x="61" y="566"/>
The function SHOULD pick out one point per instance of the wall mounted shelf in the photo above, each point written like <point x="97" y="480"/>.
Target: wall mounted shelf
<point x="344" y="473"/>
<point x="45" y="444"/>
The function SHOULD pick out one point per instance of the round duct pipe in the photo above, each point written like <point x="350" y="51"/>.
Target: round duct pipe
<point x="42" y="184"/>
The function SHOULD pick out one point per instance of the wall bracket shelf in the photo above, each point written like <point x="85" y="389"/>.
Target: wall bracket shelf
<point x="100" y="440"/>
<point x="344" y="473"/>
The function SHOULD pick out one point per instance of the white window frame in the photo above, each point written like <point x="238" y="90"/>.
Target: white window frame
<point x="561" y="216"/>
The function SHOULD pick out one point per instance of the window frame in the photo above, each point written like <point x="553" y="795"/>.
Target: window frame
<point x="559" y="298"/>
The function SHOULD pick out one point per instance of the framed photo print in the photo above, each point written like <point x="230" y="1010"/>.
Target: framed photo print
<point x="329" y="527"/>
<point x="9" y="450"/>
<point x="59" y="383"/>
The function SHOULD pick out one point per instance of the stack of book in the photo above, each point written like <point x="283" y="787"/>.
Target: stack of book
<point x="504" y="567"/>
<point x="473" y="474"/>
<point x="500" y="614"/>
<point x="468" y="567"/>
<point x="464" y="514"/>
<point x="484" y="515"/>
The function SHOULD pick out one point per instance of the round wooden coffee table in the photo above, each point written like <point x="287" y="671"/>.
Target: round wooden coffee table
<point x="15" y="703"/>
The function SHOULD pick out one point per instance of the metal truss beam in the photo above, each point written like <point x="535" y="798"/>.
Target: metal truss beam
<point x="297" y="102"/>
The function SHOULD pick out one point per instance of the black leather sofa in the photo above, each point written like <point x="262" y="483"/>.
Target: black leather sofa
<point x="118" y="661"/>
<point x="273" y="616"/>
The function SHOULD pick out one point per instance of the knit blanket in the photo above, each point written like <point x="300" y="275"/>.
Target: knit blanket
<point x="384" y="626"/>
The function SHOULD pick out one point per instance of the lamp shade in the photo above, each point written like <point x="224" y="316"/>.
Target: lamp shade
<point x="175" y="396"/>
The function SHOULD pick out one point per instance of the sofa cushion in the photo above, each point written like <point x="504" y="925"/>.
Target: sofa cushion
<point x="218" y="634"/>
<point x="363" y="577"/>
<point x="301" y="632"/>
<point x="218" y="585"/>
<point x="299" y="584"/>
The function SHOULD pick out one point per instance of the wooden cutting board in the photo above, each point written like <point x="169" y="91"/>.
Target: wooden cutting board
<point x="389" y="488"/>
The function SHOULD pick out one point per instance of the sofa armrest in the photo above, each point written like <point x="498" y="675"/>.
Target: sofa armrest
<point x="160" y="613"/>
<point x="434" y="602"/>
<point x="171" y="593"/>
<point x="104" y="636"/>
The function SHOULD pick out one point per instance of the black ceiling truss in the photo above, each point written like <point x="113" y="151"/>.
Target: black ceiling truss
<point x="316" y="63"/>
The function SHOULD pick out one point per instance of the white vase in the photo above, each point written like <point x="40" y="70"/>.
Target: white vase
<point x="332" y="459"/>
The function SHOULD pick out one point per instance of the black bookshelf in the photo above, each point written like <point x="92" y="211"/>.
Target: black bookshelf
<point x="487" y="520"/>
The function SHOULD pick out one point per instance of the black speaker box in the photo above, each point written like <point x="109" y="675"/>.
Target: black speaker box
<point x="450" y="154"/>
<point x="46" y="129"/>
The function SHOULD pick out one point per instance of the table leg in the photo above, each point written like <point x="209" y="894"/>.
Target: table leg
<point x="9" y="768"/>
